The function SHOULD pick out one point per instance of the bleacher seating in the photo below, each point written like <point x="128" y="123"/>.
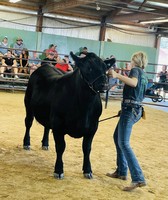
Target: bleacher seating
<point x="10" y="83"/>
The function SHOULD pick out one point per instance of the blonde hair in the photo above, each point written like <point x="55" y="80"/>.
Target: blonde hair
<point x="139" y="59"/>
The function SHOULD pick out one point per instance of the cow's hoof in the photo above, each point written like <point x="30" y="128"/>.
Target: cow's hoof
<point x="59" y="176"/>
<point x="88" y="175"/>
<point x="26" y="147"/>
<point x="46" y="148"/>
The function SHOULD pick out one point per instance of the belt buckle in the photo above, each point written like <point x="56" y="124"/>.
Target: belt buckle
<point x="127" y="100"/>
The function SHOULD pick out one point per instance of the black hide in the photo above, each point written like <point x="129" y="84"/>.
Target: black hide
<point x="67" y="104"/>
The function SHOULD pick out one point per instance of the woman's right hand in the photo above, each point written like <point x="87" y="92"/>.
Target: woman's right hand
<point x="112" y="73"/>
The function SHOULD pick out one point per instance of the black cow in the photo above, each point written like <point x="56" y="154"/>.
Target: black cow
<point x="67" y="104"/>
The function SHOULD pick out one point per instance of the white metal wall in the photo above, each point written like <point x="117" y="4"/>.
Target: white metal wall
<point x="133" y="38"/>
<point x="91" y="33"/>
<point x="18" y="21"/>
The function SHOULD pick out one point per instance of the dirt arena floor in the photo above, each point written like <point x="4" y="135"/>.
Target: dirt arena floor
<point x="28" y="175"/>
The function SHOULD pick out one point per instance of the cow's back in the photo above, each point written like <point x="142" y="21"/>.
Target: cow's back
<point x="39" y="86"/>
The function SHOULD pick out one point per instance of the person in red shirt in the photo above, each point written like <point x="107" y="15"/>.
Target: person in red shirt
<point x="64" y="66"/>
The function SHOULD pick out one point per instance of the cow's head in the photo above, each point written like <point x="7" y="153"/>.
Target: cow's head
<point x="93" y="70"/>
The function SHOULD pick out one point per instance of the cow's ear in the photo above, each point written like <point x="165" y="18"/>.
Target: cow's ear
<point x="74" y="57"/>
<point x="110" y="62"/>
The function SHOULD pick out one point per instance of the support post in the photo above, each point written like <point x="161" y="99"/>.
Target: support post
<point x="39" y="20"/>
<point x="102" y="29"/>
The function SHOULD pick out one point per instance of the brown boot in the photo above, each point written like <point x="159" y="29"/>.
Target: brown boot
<point x="115" y="175"/>
<point x="133" y="186"/>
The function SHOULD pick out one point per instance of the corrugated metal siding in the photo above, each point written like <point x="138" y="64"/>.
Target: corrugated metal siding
<point x="91" y="33"/>
<point x="15" y="21"/>
<point x="140" y="39"/>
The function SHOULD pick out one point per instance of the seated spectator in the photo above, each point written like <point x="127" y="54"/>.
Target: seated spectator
<point x="34" y="62"/>
<point x="4" y="46"/>
<point x="52" y="49"/>
<point x="127" y="69"/>
<point x="163" y="76"/>
<point x="84" y="52"/>
<point x="66" y="57"/>
<point x="49" y="59"/>
<point x="18" y="46"/>
<point x="64" y="66"/>
<point x="24" y="56"/>
<point x="113" y="82"/>
<point x="9" y="65"/>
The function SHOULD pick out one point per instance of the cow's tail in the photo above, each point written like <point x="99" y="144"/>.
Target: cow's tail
<point x="28" y="95"/>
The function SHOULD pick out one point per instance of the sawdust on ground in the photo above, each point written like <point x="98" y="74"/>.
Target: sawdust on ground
<point x="28" y="175"/>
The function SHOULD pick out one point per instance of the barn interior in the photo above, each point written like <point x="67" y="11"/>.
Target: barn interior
<point x="148" y="14"/>
<point x="106" y="27"/>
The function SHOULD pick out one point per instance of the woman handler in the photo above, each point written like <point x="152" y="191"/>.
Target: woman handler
<point x="131" y="112"/>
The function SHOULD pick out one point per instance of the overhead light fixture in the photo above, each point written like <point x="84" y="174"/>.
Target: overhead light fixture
<point x="97" y="6"/>
<point x="154" y="21"/>
<point x="13" y="1"/>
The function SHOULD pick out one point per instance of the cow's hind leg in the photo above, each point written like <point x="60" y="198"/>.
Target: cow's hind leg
<point x="45" y="143"/>
<point x="86" y="146"/>
<point x="28" y="123"/>
<point x="59" y="147"/>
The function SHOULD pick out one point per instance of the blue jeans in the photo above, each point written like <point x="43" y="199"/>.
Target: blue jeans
<point x="125" y="155"/>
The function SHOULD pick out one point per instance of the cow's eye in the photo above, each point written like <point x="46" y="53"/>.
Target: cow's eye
<point x="90" y="69"/>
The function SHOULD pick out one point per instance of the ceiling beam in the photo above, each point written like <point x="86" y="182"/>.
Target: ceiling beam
<point x="159" y="1"/>
<point x="112" y="14"/>
<point x="140" y="7"/>
<point x="53" y="7"/>
<point x="130" y="24"/>
<point x="134" y="17"/>
<point x="79" y="15"/>
<point x="139" y="16"/>
<point x="17" y="5"/>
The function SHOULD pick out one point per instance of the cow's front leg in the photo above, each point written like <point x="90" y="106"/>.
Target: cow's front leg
<point x="45" y="143"/>
<point x="59" y="147"/>
<point x="86" y="146"/>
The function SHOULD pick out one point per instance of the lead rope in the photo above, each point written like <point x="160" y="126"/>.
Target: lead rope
<point x="119" y="113"/>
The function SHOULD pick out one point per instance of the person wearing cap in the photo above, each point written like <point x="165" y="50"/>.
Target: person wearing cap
<point x="49" y="60"/>
<point x="84" y="52"/>
<point x="4" y="46"/>
<point x="52" y="49"/>
<point x="18" y="46"/>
